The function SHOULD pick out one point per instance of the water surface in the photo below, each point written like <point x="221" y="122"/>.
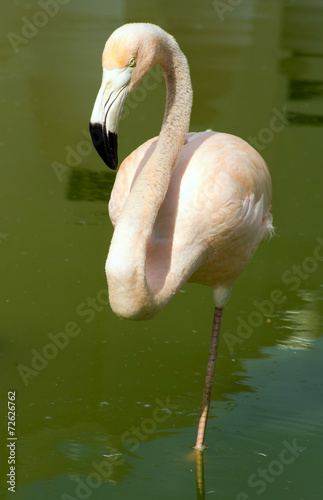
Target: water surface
<point x="92" y="409"/>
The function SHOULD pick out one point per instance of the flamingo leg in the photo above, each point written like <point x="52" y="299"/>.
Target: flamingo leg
<point x="209" y="378"/>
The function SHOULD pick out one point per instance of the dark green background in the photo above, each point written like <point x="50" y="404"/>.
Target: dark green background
<point x="249" y="64"/>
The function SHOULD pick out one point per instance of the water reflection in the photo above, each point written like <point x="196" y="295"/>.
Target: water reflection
<point x="300" y="322"/>
<point x="302" y="37"/>
<point x="200" y="489"/>
<point x="87" y="185"/>
<point x="305" y="89"/>
<point x="304" y="323"/>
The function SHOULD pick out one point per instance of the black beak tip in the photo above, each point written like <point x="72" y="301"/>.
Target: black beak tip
<point x="105" y="143"/>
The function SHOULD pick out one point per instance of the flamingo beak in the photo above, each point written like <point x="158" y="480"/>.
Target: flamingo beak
<point x="106" y="114"/>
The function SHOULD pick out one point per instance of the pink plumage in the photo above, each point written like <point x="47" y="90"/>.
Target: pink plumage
<point x="185" y="206"/>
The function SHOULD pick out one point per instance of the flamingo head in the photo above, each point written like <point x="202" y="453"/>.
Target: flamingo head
<point x="129" y="54"/>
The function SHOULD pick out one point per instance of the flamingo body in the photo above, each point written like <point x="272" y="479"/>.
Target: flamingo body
<point x="186" y="207"/>
<point x="216" y="210"/>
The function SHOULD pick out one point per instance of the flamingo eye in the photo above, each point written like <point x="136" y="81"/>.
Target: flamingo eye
<point x="132" y="62"/>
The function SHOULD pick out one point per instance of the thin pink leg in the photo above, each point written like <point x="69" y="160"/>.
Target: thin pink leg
<point x="209" y="378"/>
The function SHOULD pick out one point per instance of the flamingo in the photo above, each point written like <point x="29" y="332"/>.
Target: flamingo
<point x="186" y="207"/>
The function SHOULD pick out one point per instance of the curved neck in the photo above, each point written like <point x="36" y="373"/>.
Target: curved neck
<point x="129" y="293"/>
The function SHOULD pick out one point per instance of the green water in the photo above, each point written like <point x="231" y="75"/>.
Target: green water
<point x="111" y="411"/>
